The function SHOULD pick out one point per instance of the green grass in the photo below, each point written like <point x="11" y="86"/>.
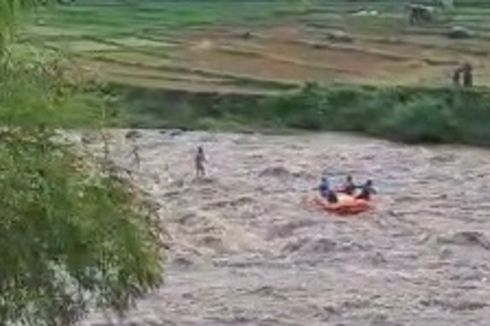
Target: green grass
<point x="105" y="20"/>
<point x="118" y="18"/>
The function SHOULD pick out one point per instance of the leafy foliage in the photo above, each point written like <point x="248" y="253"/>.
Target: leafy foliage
<point x="71" y="238"/>
<point x="74" y="234"/>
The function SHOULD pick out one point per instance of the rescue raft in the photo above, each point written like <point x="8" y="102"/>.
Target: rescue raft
<point x="346" y="205"/>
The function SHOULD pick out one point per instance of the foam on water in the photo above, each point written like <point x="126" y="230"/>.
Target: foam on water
<point x="246" y="250"/>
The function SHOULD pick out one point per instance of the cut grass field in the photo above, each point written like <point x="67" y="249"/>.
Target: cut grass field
<point x="269" y="44"/>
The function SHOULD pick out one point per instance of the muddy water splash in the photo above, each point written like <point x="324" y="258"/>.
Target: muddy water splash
<point x="245" y="250"/>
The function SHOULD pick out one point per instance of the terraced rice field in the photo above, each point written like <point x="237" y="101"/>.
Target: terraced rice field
<point x="266" y="46"/>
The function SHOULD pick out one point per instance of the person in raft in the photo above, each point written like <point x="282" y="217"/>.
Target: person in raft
<point x="199" y="160"/>
<point x="367" y="190"/>
<point x="349" y="187"/>
<point x="326" y="192"/>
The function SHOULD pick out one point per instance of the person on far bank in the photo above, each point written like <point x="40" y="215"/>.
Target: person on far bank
<point x="199" y="160"/>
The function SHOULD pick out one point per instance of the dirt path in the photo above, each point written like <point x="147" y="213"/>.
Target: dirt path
<point x="246" y="251"/>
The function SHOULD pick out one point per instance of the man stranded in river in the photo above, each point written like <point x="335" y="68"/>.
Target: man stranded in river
<point x="199" y="160"/>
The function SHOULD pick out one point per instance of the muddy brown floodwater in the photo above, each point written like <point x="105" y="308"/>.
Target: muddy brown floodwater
<point x="245" y="250"/>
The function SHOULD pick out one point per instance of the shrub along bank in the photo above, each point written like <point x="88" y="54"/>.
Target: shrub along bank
<point x="406" y="114"/>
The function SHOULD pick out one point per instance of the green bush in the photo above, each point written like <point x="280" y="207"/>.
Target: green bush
<point x="33" y="94"/>
<point x="74" y="235"/>
<point x="423" y="119"/>
<point x="407" y="114"/>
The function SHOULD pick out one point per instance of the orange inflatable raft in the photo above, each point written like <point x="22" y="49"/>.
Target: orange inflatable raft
<point x="347" y="205"/>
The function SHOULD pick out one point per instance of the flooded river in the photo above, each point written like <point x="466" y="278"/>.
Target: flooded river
<point x="246" y="250"/>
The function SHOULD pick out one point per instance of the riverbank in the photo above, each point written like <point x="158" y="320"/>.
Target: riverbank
<point x="405" y="114"/>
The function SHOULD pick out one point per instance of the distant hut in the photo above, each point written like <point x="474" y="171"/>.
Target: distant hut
<point x="419" y="14"/>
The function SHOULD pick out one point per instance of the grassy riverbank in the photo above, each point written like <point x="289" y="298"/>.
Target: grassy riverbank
<point x="407" y="114"/>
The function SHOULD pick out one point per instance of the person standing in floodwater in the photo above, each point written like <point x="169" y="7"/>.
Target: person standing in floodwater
<point x="200" y="159"/>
